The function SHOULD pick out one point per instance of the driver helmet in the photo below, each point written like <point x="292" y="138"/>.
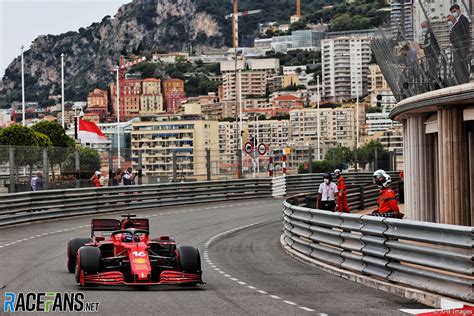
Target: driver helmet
<point x="128" y="236"/>
<point x="382" y="179"/>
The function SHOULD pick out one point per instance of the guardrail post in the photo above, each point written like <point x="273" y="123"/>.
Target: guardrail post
<point x="140" y="168"/>
<point x="208" y="164"/>
<point x="45" y="169"/>
<point x="361" y="197"/>
<point x="174" y="165"/>
<point x="11" y="152"/>
<point x="78" y="168"/>
<point x="111" y="169"/>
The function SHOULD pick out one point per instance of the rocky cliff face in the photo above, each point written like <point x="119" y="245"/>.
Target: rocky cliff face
<point x="92" y="52"/>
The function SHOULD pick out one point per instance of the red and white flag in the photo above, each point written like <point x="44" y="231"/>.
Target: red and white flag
<point x="89" y="132"/>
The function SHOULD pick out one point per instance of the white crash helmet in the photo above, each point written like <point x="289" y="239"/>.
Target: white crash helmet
<point x="337" y="171"/>
<point x="382" y="179"/>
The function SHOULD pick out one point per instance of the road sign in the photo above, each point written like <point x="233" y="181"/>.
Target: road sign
<point x="262" y="148"/>
<point x="248" y="147"/>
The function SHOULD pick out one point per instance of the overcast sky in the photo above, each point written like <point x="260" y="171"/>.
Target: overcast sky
<point x="21" y="21"/>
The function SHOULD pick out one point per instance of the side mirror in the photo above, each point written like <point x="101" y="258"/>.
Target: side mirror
<point x="99" y="238"/>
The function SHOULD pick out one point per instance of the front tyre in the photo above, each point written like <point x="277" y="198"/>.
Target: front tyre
<point x="73" y="246"/>
<point x="189" y="259"/>
<point x="88" y="261"/>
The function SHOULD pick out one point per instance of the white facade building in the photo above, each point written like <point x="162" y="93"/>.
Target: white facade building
<point x="345" y="63"/>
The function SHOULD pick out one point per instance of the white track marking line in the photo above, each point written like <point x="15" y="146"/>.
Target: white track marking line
<point x="206" y="255"/>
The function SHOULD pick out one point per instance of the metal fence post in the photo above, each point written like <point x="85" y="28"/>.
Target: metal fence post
<point x="239" y="164"/>
<point x="78" y="168"/>
<point x="45" y="169"/>
<point x="111" y="169"/>
<point x="356" y="162"/>
<point x="310" y="167"/>
<point x="361" y="197"/>
<point x="174" y="165"/>
<point x="11" y="162"/>
<point x="208" y="164"/>
<point x="376" y="160"/>
<point x="140" y="168"/>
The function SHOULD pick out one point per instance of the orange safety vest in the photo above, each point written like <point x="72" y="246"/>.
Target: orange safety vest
<point x="342" y="205"/>
<point x="387" y="201"/>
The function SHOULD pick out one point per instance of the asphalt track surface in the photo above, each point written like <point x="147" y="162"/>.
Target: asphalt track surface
<point x="245" y="270"/>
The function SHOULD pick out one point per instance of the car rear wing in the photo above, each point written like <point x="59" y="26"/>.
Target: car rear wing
<point x="106" y="224"/>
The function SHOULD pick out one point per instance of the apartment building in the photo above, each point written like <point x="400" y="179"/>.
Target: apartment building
<point x="173" y="94"/>
<point x="156" y="138"/>
<point x="151" y="99"/>
<point x="338" y="124"/>
<point x="345" y="66"/>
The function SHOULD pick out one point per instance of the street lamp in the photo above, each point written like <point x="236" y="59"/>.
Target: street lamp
<point x="117" y="69"/>
<point x="318" y="98"/>
<point x="62" y="88"/>
<point x="81" y="114"/>
<point x="22" y="88"/>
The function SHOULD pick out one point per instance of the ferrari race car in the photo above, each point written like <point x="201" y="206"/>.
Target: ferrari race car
<point x="125" y="255"/>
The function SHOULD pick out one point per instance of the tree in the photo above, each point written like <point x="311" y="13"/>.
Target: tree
<point x="366" y="154"/>
<point x="89" y="162"/>
<point x="317" y="167"/>
<point x="23" y="139"/>
<point x="340" y="156"/>
<point x="61" y="143"/>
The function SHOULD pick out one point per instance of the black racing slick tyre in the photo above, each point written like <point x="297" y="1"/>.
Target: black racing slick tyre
<point x="189" y="259"/>
<point x="88" y="261"/>
<point x="73" y="246"/>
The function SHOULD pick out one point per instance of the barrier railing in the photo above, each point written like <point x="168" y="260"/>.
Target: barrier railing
<point x="428" y="256"/>
<point x="32" y="206"/>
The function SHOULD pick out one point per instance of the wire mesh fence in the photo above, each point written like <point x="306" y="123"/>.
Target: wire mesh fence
<point x="34" y="168"/>
<point x="419" y="58"/>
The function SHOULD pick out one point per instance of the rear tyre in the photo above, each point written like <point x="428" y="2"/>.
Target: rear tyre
<point x="73" y="246"/>
<point x="189" y="259"/>
<point x="88" y="261"/>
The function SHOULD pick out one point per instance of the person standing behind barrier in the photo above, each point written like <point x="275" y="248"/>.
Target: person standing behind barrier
<point x="431" y="49"/>
<point x="96" y="179"/>
<point x="129" y="177"/>
<point x="116" y="177"/>
<point x="461" y="42"/>
<point x="327" y="194"/>
<point x="342" y="205"/>
<point x="387" y="205"/>
<point x="37" y="182"/>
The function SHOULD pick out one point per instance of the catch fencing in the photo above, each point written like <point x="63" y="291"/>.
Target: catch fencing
<point x="428" y="256"/>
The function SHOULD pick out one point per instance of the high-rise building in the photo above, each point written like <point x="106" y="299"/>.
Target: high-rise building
<point x="173" y="94"/>
<point x="156" y="138"/>
<point x="345" y="63"/>
<point x="338" y="124"/>
<point x="401" y="19"/>
<point x="151" y="99"/>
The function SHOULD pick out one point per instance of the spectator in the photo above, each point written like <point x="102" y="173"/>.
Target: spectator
<point x="37" y="182"/>
<point x="412" y="71"/>
<point x="116" y="177"/>
<point x="327" y="194"/>
<point x="461" y="42"/>
<point x="129" y="177"/>
<point x="401" y="189"/>
<point x="387" y="205"/>
<point x="96" y="179"/>
<point x="342" y="205"/>
<point x="432" y="51"/>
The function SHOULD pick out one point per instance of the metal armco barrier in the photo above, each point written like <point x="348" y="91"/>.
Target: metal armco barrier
<point x="24" y="207"/>
<point x="434" y="257"/>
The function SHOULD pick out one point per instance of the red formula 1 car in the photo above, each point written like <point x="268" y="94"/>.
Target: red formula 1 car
<point x="124" y="255"/>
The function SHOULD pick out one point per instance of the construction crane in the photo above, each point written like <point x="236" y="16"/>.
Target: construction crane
<point x="235" y="22"/>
